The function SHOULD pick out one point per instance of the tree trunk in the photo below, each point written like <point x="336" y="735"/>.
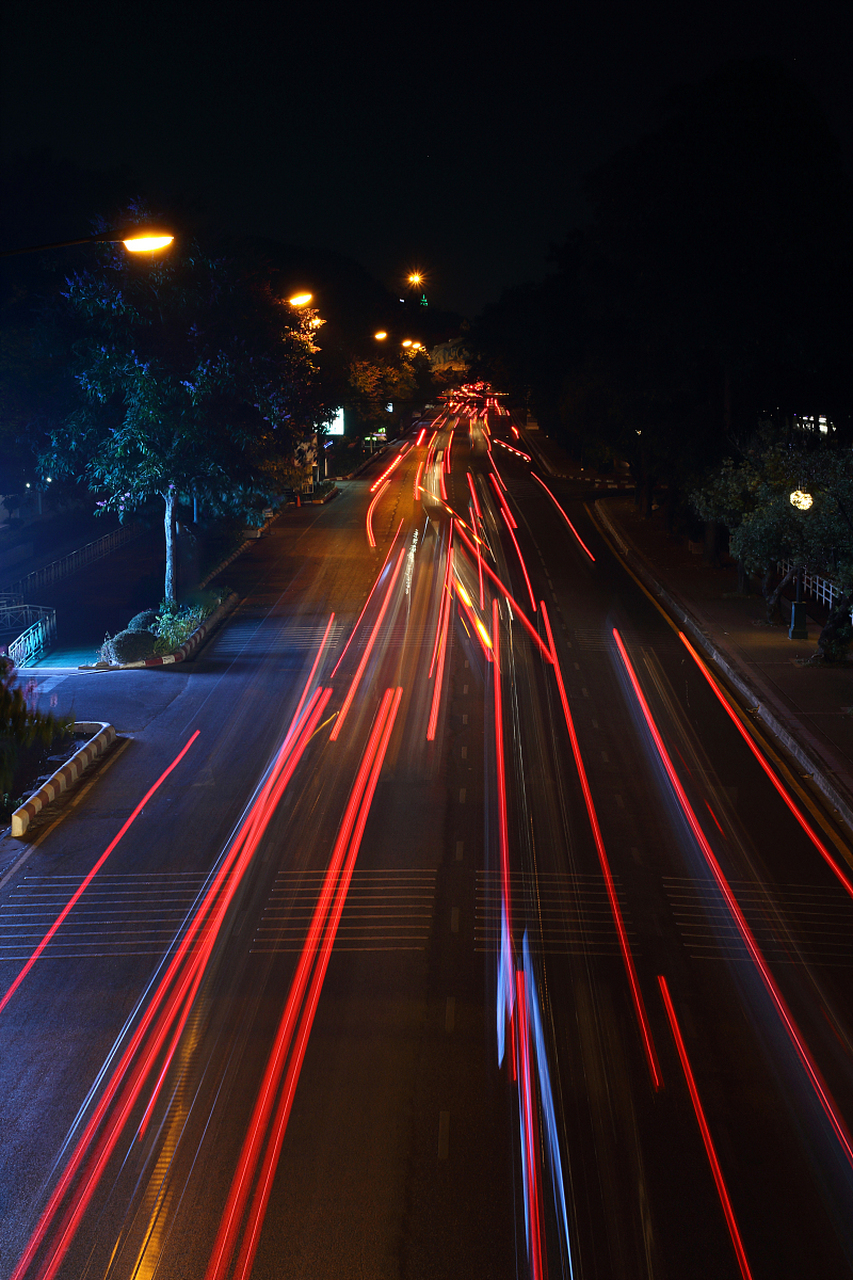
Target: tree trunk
<point x="710" y="554"/>
<point x="742" y="579"/>
<point x="169" y="525"/>
<point x="834" y="640"/>
<point x="774" y="612"/>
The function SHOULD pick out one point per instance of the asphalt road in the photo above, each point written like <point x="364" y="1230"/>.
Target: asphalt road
<point x="395" y="989"/>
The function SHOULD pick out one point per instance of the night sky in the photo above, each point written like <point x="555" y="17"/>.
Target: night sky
<point x="455" y="140"/>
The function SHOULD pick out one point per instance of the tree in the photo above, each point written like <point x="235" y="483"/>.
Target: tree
<point x="195" y="380"/>
<point x="753" y="498"/>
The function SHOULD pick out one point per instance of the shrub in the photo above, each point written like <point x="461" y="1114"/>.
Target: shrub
<point x="129" y="646"/>
<point x="144" y="621"/>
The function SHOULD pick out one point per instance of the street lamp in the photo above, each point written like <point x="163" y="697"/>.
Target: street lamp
<point x="134" y="239"/>
<point x="799" y="627"/>
<point x="300" y="299"/>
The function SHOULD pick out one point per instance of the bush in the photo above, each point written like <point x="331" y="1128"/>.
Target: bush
<point x="144" y="621"/>
<point x="128" y="646"/>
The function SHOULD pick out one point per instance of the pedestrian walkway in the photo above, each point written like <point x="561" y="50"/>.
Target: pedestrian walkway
<point x="809" y="707"/>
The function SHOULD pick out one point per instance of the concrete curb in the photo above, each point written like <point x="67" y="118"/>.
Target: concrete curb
<point x="758" y="700"/>
<point x="187" y="649"/>
<point x="102" y="735"/>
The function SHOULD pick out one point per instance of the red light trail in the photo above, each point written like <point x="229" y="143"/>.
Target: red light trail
<point x="615" y="909"/>
<point x="171" y="996"/>
<point x="315" y="956"/>
<point x="563" y="514"/>
<point x="717" y="1171"/>
<point x="342" y="714"/>
<point x="369" y="598"/>
<point x="370" y="538"/>
<point x="782" y="791"/>
<point x="75" y="897"/>
<point x="799" y="1045"/>
<point x="518" y="612"/>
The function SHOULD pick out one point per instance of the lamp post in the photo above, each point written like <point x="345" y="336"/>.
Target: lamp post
<point x="799" y="627"/>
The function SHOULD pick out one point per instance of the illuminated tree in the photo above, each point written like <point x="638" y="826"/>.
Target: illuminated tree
<point x="753" y="498"/>
<point x="195" y="381"/>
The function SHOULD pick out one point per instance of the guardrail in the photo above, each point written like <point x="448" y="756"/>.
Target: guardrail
<point x="38" y="635"/>
<point x="76" y="560"/>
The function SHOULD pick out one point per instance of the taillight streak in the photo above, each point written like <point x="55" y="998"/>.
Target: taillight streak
<point x="508" y="516"/>
<point x="441" y="642"/>
<point x="315" y="956"/>
<point x="369" y="522"/>
<point x="479" y="517"/>
<point x="782" y="791"/>
<point x="416" y="489"/>
<point x="78" y="893"/>
<point x="500" y="769"/>
<point x="716" y="1169"/>
<point x="386" y="473"/>
<point x="529" y="1134"/>
<point x="615" y="909"/>
<point x="165" y="1005"/>
<point x="516" y="607"/>
<point x="565" y="517"/>
<point x="368" y="649"/>
<point x="799" y="1045"/>
<point x="511" y="527"/>
<point x="368" y="600"/>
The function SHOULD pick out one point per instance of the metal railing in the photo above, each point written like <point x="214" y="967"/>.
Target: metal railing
<point x="820" y="589"/>
<point x="38" y="634"/>
<point x="76" y="560"/>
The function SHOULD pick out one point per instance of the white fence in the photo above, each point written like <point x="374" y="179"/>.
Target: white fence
<point x="76" y="560"/>
<point x="819" y="588"/>
<point x="34" y="629"/>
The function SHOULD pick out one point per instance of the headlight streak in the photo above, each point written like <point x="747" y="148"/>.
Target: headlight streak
<point x="782" y="791"/>
<point x="367" y="601"/>
<point x="164" y="1006"/>
<point x="716" y="1169"/>
<point x="801" y="1049"/>
<point x="368" y="649"/>
<point x="314" y="957"/>
<point x="369" y="521"/>
<point x="516" y="608"/>
<point x="615" y="909"/>
<point x="78" y="893"/>
<point x="565" y="517"/>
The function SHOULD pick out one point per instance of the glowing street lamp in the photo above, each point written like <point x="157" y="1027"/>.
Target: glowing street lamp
<point x="300" y="299"/>
<point x="134" y="239"/>
<point x="150" y="242"/>
<point x="380" y="336"/>
<point x="802" y="501"/>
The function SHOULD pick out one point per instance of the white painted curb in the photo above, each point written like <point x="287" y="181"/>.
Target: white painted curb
<point x="102" y="735"/>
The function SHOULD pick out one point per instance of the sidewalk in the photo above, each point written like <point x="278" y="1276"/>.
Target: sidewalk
<point x="809" y="709"/>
